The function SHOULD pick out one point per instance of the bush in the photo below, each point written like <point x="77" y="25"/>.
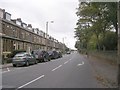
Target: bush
<point x="8" y="60"/>
<point x="13" y="53"/>
<point x="110" y="56"/>
<point x="109" y="42"/>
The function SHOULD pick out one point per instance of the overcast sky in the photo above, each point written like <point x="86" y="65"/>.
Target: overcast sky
<point x="38" y="12"/>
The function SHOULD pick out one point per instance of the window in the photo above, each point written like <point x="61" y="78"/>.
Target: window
<point x="23" y="36"/>
<point x="3" y="26"/>
<point x="13" y="32"/>
<point x="7" y="26"/>
<point x="8" y="16"/>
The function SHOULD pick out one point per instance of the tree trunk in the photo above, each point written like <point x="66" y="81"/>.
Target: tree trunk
<point x="116" y="27"/>
<point x="98" y="46"/>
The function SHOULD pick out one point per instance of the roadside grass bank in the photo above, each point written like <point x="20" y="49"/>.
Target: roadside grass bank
<point x="104" y="65"/>
<point x="108" y="56"/>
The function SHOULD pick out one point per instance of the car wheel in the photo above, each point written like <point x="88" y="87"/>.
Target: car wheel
<point x="14" y="65"/>
<point x="49" y="59"/>
<point x="27" y="63"/>
<point x="36" y="62"/>
<point x="45" y="60"/>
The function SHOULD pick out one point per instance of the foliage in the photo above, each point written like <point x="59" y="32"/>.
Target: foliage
<point x="109" y="42"/>
<point x="95" y="26"/>
<point x="13" y="53"/>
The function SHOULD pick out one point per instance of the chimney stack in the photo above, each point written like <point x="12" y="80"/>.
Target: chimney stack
<point x="29" y="25"/>
<point x="19" y="19"/>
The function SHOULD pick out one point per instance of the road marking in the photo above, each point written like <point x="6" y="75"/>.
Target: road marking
<point x="8" y="69"/>
<point x="43" y="63"/>
<point x="53" y="60"/>
<point x="70" y="59"/>
<point x="30" y="82"/>
<point x="56" y="67"/>
<point x="17" y="68"/>
<point x="80" y="63"/>
<point x="26" y="67"/>
<point x="66" y="62"/>
<point x="5" y="71"/>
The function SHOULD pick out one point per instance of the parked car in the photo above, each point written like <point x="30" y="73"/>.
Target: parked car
<point x="53" y="54"/>
<point x="41" y="55"/>
<point x="59" y="54"/>
<point x="68" y="52"/>
<point x="23" y="58"/>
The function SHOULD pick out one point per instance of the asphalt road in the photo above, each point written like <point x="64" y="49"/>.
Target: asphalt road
<point x="70" y="71"/>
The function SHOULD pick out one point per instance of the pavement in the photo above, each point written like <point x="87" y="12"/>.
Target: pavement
<point x="105" y="71"/>
<point x="6" y="65"/>
<point x="71" y="71"/>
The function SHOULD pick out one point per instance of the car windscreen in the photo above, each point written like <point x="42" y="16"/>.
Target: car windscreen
<point x="34" y="52"/>
<point x="50" y="52"/>
<point x="20" y="55"/>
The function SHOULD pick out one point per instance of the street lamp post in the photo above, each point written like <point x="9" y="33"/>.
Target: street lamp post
<point x="47" y="33"/>
<point x="64" y="44"/>
<point x="1" y="44"/>
<point x="118" y="61"/>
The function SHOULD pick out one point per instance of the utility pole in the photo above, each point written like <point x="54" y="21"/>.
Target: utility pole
<point x="1" y="47"/>
<point x="1" y="43"/>
<point x="64" y="44"/>
<point x="118" y="61"/>
<point x="46" y="35"/>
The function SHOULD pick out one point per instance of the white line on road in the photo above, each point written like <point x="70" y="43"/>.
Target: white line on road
<point x="80" y="63"/>
<point x="8" y="69"/>
<point x="30" y="82"/>
<point x="53" y="60"/>
<point x="56" y="67"/>
<point x="66" y="62"/>
<point x="17" y="68"/>
<point x="5" y="71"/>
<point x="26" y="67"/>
<point x="43" y="63"/>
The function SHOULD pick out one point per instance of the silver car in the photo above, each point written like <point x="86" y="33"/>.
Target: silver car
<point x="23" y="59"/>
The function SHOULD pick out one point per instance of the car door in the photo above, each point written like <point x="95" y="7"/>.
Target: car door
<point x="29" y="58"/>
<point x="32" y="59"/>
<point x="43" y="53"/>
<point x="36" y="54"/>
<point x="55" y="54"/>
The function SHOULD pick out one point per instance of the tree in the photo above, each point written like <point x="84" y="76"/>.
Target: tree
<point x="95" y="19"/>
<point x="109" y="42"/>
<point x="112" y="14"/>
